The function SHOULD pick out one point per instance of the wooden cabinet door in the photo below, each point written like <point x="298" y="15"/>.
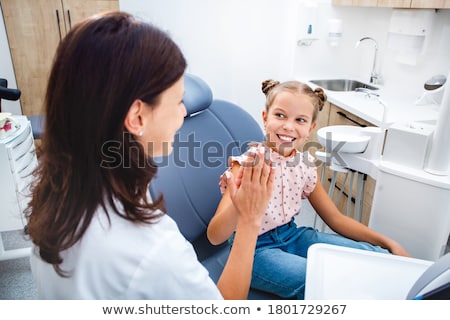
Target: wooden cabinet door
<point x="431" y="4"/>
<point x="342" y="2"/>
<point x="356" y="3"/>
<point x="321" y="121"/>
<point x="77" y="10"/>
<point x="394" y="3"/>
<point x="339" y="116"/>
<point x="365" y="3"/>
<point x="344" y="181"/>
<point x="34" y="29"/>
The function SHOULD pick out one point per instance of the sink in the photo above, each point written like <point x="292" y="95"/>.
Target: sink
<point x="350" y="139"/>
<point x="342" y="84"/>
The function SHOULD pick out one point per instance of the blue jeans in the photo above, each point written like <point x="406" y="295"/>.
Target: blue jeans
<point x="280" y="258"/>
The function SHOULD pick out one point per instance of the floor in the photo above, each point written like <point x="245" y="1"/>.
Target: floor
<point x="16" y="281"/>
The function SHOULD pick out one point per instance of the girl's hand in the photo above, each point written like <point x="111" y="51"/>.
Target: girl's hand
<point x="397" y="249"/>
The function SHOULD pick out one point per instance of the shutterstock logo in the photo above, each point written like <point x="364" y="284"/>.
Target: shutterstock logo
<point x="187" y="152"/>
<point x="191" y="152"/>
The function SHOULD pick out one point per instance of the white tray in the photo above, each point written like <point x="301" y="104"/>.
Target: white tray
<point x="343" y="273"/>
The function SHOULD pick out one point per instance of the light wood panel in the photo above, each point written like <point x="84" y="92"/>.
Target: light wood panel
<point x="34" y="29"/>
<point x="33" y="35"/>
<point x="338" y="116"/>
<point x="438" y="4"/>
<point x="394" y="3"/>
<point x="413" y="4"/>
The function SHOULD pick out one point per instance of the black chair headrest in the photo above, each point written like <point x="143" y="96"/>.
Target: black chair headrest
<point x="6" y="93"/>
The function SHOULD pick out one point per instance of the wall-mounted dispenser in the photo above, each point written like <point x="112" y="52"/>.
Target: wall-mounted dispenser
<point x="309" y="39"/>
<point x="334" y="32"/>
<point x="308" y="32"/>
<point x="408" y="33"/>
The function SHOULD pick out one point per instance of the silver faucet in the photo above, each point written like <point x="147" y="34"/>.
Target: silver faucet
<point x="368" y="92"/>
<point x="374" y="76"/>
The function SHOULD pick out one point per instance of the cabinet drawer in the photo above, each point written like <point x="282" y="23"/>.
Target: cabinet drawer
<point x="16" y="145"/>
<point x="24" y="178"/>
<point x="22" y="156"/>
<point x="339" y="116"/>
<point x="342" y="200"/>
<point x="18" y="151"/>
<point x="23" y="167"/>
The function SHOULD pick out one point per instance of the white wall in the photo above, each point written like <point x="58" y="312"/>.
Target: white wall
<point x="235" y="44"/>
<point x="232" y="44"/>
<point x="323" y="60"/>
<point x="6" y="70"/>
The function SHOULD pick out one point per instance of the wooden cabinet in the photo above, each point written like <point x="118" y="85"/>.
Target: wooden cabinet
<point x="345" y="192"/>
<point x="430" y="4"/>
<point x="34" y="29"/>
<point x="321" y="121"/>
<point x="339" y="116"/>
<point x="394" y="3"/>
<point x="358" y="3"/>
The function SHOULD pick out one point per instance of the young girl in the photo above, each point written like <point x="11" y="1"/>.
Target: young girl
<point x="281" y="250"/>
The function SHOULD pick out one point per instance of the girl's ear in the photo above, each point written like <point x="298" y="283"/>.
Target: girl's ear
<point x="133" y="119"/>
<point x="264" y="117"/>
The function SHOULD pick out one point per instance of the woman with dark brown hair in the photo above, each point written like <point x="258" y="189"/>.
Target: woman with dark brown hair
<point x="113" y="102"/>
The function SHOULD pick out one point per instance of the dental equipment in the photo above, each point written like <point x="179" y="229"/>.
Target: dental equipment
<point x="411" y="202"/>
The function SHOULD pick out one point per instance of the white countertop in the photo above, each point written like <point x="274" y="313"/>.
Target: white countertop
<point x="400" y="105"/>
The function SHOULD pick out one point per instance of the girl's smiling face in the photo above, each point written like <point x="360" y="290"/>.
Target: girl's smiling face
<point x="289" y="121"/>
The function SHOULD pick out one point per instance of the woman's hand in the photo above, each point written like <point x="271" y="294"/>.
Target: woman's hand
<point x="251" y="189"/>
<point x="249" y="192"/>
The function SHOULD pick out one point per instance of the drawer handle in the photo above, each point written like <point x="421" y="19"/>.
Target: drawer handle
<point x="59" y="24"/>
<point x="342" y="114"/>
<point x="70" y="19"/>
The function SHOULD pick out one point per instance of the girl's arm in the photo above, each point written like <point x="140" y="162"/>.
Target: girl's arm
<point x="249" y="198"/>
<point x="347" y="226"/>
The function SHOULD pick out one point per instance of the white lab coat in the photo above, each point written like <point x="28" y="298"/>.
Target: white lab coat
<point x="125" y="260"/>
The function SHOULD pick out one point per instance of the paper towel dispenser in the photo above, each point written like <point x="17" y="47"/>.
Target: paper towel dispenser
<point x="408" y="33"/>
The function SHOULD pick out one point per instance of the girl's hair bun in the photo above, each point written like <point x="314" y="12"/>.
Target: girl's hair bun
<point x="268" y="85"/>
<point x="322" y="97"/>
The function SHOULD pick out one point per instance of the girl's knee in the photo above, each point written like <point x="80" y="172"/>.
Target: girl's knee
<point x="288" y="288"/>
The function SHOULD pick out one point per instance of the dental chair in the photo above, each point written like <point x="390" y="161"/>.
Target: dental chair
<point x="212" y="131"/>
<point x="37" y="124"/>
<point x="340" y="273"/>
<point x="37" y="121"/>
<point x="7" y="93"/>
